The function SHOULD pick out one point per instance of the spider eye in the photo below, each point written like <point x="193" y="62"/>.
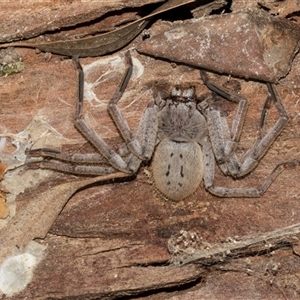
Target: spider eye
<point x="176" y="92"/>
<point x="189" y="93"/>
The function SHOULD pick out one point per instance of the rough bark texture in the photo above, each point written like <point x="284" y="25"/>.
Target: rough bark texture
<point x="110" y="240"/>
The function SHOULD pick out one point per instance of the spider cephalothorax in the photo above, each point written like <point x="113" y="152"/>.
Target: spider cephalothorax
<point x="184" y="138"/>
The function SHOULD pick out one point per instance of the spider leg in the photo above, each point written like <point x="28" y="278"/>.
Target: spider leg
<point x="209" y="177"/>
<point x="78" y="163"/>
<point x="224" y="142"/>
<point x="76" y="169"/>
<point x="69" y="163"/>
<point x="112" y="157"/>
<point x="146" y="135"/>
<point x="89" y="158"/>
<point x="263" y="143"/>
<point x="131" y="141"/>
<point x="129" y="138"/>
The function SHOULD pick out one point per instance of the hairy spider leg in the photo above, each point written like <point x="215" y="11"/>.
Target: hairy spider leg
<point x="74" y="163"/>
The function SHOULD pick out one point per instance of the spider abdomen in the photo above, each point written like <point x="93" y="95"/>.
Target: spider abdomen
<point x="177" y="168"/>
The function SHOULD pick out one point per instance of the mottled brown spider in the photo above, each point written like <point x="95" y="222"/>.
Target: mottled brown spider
<point x="182" y="137"/>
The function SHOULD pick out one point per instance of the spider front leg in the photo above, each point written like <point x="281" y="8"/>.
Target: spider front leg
<point x="146" y="134"/>
<point x="131" y="141"/>
<point x="224" y="141"/>
<point x="112" y="157"/>
<point x="252" y="157"/>
<point x="262" y="144"/>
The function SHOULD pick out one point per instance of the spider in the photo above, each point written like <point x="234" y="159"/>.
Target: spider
<point x="184" y="139"/>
